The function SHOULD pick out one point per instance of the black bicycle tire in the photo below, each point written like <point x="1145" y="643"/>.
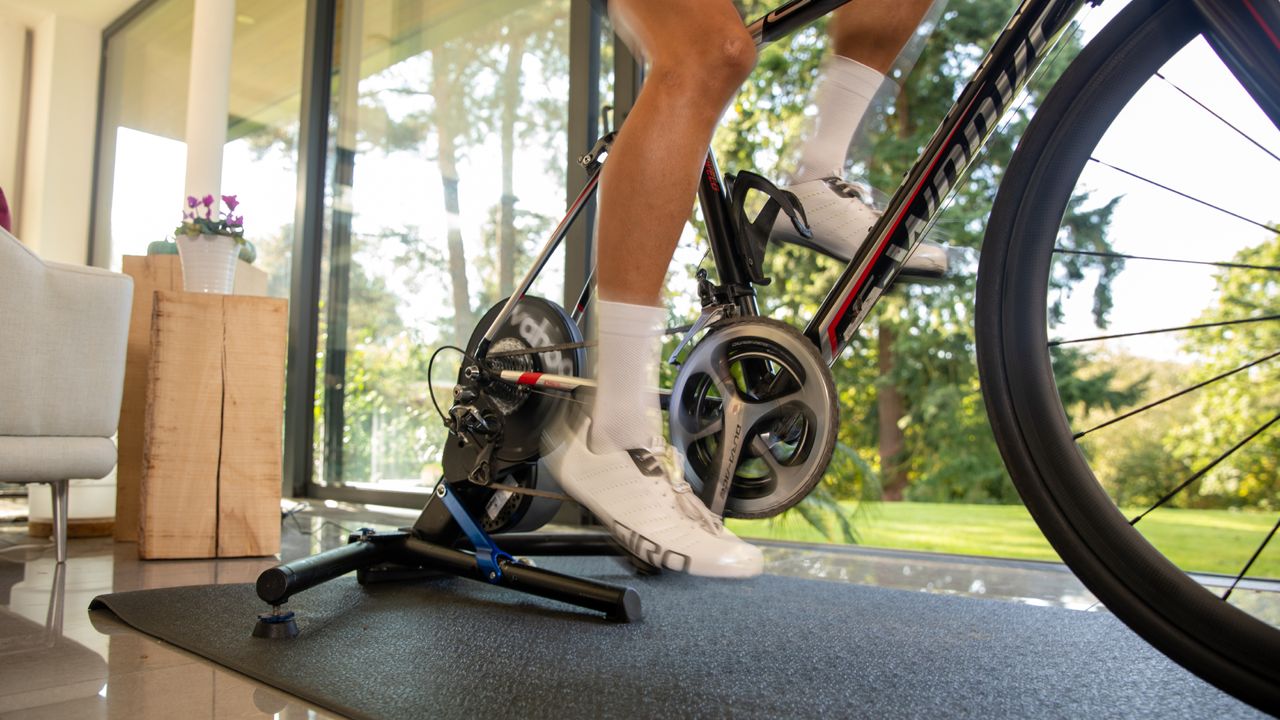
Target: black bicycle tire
<point x="1227" y="647"/>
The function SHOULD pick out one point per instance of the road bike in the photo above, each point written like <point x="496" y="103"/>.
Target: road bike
<point x="753" y="406"/>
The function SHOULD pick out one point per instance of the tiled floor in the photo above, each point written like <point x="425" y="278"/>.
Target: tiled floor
<point x="57" y="663"/>
<point x="62" y="665"/>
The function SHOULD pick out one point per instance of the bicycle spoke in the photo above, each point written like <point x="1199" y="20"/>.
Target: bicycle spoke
<point x="1224" y="121"/>
<point x="1178" y="394"/>
<point x="1193" y="198"/>
<point x="1055" y="343"/>
<point x="1201" y="472"/>
<point x="1249" y="564"/>
<point x="1123" y="256"/>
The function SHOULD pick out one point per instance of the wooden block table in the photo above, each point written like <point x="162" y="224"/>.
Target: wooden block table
<point x="211" y="470"/>
<point x="150" y="273"/>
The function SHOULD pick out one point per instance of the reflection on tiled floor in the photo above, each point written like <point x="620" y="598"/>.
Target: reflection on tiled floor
<point x="108" y="670"/>
<point x="56" y="663"/>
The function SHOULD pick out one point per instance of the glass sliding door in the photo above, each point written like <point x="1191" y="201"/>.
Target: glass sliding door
<point x="260" y="159"/>
<point x="141" y="141"/>
<point x="448" y="170"/>
<point x="142" y="148"/>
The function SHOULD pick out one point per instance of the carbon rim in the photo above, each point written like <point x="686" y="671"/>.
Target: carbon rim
<point x="1171" y="609"/>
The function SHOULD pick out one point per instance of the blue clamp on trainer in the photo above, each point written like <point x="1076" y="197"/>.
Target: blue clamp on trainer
<point x="487" y="553"/>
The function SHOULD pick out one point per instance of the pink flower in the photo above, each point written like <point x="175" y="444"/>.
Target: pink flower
<point x="231" y="202"/>
<point x="207" y="200"/>
<point x="235" y="220"/>
<point x="192" y="201"/>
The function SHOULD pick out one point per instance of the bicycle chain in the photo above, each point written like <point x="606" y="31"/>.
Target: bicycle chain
<point x="518" y="490"/>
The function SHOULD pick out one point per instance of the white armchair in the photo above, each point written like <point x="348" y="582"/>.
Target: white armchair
<point x="63" y="331"/>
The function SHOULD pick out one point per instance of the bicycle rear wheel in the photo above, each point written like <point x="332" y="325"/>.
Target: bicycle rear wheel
<point x="1072" y="176"/>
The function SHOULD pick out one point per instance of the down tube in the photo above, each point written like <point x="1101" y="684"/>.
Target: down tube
<point x="1023" y="44"/>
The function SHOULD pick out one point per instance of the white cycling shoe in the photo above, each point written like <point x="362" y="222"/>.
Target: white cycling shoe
<point x="840" y="214"/>
<point x="644" y="502"/>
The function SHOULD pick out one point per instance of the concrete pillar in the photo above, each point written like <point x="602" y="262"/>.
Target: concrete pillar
<point x="208" y="95"/>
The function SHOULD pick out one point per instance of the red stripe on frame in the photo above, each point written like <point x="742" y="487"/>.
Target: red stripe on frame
<point x="529" y="378"/>
<point x="1254" y="12"/>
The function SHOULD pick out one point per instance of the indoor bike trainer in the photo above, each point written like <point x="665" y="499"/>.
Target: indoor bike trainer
<point x="524" y="361"/>
<point x="752" y="409"/>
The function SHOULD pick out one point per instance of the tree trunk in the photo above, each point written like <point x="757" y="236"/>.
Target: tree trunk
<point x="893" y="475"/>
<point x="447" y="161"/>
<point x="510" y="105"/>
<point x="889" y="402"/>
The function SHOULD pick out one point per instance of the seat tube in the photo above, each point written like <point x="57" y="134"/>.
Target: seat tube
<point x="714" y="201"/>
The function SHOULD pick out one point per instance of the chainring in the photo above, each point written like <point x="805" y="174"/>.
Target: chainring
<point x="753" y="409"/>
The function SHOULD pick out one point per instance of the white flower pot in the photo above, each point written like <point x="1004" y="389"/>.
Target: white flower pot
<point x="208" y="263"/>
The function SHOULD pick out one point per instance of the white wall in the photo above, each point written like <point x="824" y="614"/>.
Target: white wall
<point x="54" y="216"/>
<point x="56" y="161"/>
<point x="12" y="54"/>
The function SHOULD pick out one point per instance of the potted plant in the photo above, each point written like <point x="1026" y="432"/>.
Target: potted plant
<point x="209" y="241"/>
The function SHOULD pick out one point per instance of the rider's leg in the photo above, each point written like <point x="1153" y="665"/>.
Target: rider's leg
<point x="874" y="33"/>
<point x="698" y="53"/>
<point x="866" y="38"/>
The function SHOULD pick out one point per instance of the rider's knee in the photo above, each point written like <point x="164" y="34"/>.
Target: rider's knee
<point x="716" y="67"/>
<point x="734" y="54"/>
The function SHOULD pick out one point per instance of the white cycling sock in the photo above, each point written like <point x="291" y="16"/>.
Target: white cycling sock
<point x="845" y="90"/>
<point x="627" y="415"/>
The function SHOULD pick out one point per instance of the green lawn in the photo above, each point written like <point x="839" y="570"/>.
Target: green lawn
<point x="1206" y="540"/>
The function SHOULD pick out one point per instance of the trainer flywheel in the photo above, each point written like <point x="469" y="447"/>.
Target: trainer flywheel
<point x="534" y="323"/>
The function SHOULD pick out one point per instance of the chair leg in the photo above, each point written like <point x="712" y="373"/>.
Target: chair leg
<point x="61" y="490"/>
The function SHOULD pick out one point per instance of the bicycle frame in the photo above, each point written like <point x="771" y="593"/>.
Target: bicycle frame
<point x="914" y="207"/>
<point x="912" y="210"/>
